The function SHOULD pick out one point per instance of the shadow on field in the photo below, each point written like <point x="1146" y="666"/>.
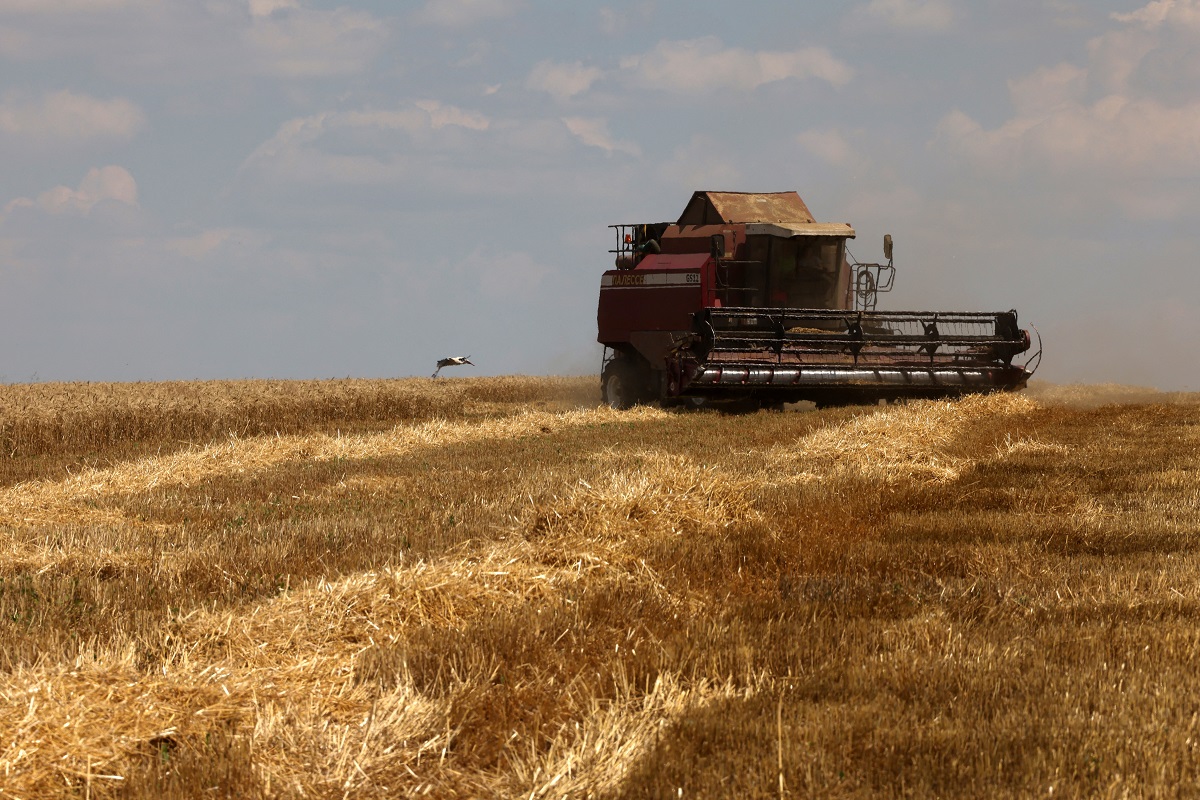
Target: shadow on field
<point x="974" y="598"/>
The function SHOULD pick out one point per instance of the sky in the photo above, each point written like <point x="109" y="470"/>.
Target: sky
<point x="195" y="189"/>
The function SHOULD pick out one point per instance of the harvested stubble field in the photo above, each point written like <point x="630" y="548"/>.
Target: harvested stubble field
<point x="494" y="588"/>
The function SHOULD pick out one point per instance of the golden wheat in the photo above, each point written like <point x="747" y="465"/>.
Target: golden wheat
<point x="513" y="596"/>
<point x="45" y="428"/>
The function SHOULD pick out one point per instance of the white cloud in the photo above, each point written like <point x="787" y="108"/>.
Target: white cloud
<point x="1115" y="134"/>
<point x="202" y="244"/>
<point x="442" y="115"/>
<point x="367" y="159"/>
<point x="47" y="7"/>
<point x="933" y="16"/>
<point x="424" y="115"/>
<point x="67" y="116"/>
<point x="291" y="42"/>
<point x="459" y="13"/>
<point x="1151" y="15"/>
<point x="698" y="65"/>
<point x="476" y="53"/>
<point x="593" y="131"/>
<point x="1121" y="117"/>
<point x="100" y="184"/>
<point x="1047" y="89"/>
<point x="613" y="22"/>
<point x="562" y="81"/>
<point x="265" y="8"/>
<point x="197" y="42"/>
<point x="701" y="163"/>
<point x="359" y="147"/>
<point x="828" y="145"/>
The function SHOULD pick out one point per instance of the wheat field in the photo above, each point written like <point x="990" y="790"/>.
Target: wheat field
<point x="497" y="588"/>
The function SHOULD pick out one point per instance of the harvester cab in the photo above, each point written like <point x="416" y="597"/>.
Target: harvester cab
<point x="747" y="300"/>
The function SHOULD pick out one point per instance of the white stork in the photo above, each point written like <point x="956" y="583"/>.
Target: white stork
<point x="452" y="361"/>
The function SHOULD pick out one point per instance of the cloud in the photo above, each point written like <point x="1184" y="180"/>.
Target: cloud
<point x="429" y="158"/>
<point x="562" y="81"/>
<point x="829" y="145"/>
<point x="442" y="115"/>
<point x="1115" y="134"/>
<point x="151" y="41"/>
<point x="97" y="186"/>
<point x="461" y="13"/>
<point x="593" y="131"/>
<point x="66" y="116"/>
<point x="700" y="65"/>
<point x="930" y="16"/>
<point x="196" y="247"/>
<point x="291" y="42"/>
<point x="48" y="7"/>
<point x="613" y="22"/>
<point x="360" y="147"/>
<point x="1048" y="89"/>
<point x="424" y="115"/>
<point x="1125" y="117"/>
<point x="700" y="163"/>
<point x="1152" y="15"/>
<point x="200" y="245"/>
<point x="265" y="8"/>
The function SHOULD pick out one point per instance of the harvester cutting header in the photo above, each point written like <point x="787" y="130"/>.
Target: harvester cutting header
<point x="747" y="300"/>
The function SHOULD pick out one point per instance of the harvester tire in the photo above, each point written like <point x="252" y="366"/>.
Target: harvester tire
<point x="621" y="384"/>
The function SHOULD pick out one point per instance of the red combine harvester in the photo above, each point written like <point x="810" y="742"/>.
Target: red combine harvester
<point x="748" y="302"/>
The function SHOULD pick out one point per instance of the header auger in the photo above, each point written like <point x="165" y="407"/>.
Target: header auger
<point x="746" y="301"/>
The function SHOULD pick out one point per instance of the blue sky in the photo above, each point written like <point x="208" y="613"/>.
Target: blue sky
<point x="293" y="188"/>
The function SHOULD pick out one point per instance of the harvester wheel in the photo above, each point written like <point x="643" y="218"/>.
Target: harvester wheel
<point x="621" y="385"/>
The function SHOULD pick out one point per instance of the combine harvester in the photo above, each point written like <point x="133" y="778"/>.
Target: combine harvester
<point x="747" y="302"/>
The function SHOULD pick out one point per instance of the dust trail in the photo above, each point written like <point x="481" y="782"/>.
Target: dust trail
<point x="1088" y="396"/>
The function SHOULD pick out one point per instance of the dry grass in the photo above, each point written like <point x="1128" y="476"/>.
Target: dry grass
<point x="490" y="591"/>
<point x="48" y="427"/>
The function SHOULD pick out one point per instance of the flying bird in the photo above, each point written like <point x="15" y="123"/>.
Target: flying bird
<point x="452" y="361"/>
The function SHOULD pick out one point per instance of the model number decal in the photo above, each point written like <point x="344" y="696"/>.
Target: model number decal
<point x="649" y="279"/>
